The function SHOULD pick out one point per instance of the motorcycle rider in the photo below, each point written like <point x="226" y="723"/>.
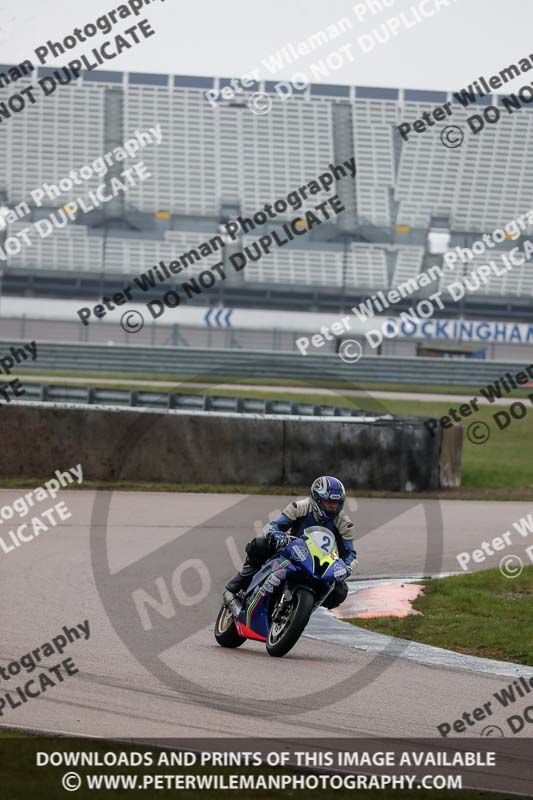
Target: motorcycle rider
<point x="323" y="507"/>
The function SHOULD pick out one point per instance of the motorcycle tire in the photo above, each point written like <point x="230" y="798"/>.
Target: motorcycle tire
<point x="225" y="630"/>
<point x="280" y="641"/>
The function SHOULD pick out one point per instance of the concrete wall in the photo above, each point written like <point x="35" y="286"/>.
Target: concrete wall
<point x="391" y="455"/>
<point x="203" y="447"/>
<point x="451" y="450"/>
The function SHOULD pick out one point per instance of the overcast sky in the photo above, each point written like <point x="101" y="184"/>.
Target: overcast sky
<point x="208" y="37"/>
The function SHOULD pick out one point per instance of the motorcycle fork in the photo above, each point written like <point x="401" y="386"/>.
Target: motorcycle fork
<point x="280" y="605"/>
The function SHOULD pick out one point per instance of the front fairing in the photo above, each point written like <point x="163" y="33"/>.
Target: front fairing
<point x="311" y="556"/>
<point x="322" y="564"/>
<point x="254" y="616"/>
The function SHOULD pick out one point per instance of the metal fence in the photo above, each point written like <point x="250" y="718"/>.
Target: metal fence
<point x="188" y="402"/>
<point x="190" y="362"/>
<point x="160" y="335"/>
<point x="153" y="333"/>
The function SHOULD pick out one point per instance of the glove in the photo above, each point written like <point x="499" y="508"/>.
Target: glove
<point x="272" y="534"/>
<point x="350" y="566"/>
<point x="281" y="539"/>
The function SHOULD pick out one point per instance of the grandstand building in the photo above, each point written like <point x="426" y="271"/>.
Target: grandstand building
<point x="215" y="164"/>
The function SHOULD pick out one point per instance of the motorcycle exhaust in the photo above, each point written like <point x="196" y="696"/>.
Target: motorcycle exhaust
<point x="232" y="602"/>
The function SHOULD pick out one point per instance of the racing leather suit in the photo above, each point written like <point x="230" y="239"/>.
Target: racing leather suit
<point x="297" y="516"/>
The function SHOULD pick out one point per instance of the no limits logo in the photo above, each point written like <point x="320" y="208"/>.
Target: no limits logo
<point x="163" y="604"/>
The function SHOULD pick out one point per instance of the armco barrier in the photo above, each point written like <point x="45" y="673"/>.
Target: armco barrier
<point x="259" y="364"/>
<point x="74" y="393"/>
<point x="208" y="447"/>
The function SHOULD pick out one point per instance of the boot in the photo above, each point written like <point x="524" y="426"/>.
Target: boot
<point x="239" y="583"/>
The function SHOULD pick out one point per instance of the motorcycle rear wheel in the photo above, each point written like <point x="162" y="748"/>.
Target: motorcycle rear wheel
<point x="225" y="630"/>
<point x="283" y="636"/>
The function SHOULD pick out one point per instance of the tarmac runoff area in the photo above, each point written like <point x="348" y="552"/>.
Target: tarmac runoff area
<point x="385" y="691"/>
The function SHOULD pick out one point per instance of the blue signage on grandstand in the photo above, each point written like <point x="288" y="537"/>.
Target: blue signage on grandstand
<point x="467" y="331"/>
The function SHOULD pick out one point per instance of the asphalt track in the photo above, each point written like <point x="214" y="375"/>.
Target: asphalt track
<point x="49" y="582"/>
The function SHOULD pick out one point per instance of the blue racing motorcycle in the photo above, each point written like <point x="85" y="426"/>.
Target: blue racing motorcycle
<point x="277" y="605"/>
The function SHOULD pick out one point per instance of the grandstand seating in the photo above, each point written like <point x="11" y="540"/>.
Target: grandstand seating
<point x="66" y="249"/>
<point x="228" y="156"/>
<point x="479" y="186"/>
<point x="73" y="248"/>
<point x="48" y="139"/>
<point x="518" y="281"/>
<point x="365" y="266"/>
<point x="408" y="264"/>
<point x="373" y="121"/>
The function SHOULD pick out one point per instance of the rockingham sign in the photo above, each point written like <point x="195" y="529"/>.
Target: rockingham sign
<point x="418" y="322"/>
<point x="451" y="330"/>
<point x="410" y="327"/>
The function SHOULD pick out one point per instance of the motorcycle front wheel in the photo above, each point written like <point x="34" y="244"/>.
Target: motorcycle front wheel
<point x="288" y="626"/>
<point x="225" y="630"/>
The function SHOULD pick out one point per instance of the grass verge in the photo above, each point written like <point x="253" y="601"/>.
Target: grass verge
<point x="483" y="614"/>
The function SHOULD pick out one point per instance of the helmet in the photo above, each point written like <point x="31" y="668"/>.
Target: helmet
<point x="327" y="498"/>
